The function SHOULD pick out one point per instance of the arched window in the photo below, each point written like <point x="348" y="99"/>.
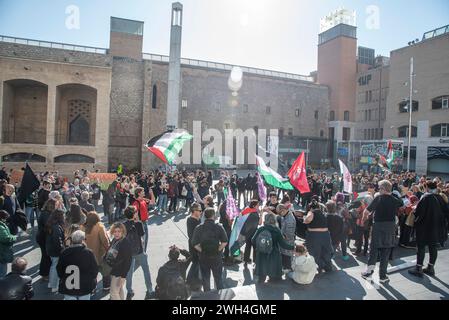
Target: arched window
<point x="74" y="158"/>
<point x="79" y="131"/>
<point x="332" y="116"/>
<point x="440" y="103"/>
<point x="403" y="132"/>
<point x="403" y="106"/>
<point x="22" y="157"/>
<point x="154" y="98"/>
<point x="440" y="130"/>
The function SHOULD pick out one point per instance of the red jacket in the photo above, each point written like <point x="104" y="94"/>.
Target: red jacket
<point x="142" y="208"/>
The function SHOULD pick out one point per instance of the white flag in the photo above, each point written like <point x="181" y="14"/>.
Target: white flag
<point x="347" y="179"/>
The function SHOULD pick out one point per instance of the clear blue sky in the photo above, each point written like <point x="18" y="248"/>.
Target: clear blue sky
<point x="273" y="34"/>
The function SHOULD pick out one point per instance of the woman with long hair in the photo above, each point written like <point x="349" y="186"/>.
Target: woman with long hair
<point x="55" y="238"/>
<point x="41" y="237"/>
<point x="97" y="240"/>
<point x="118" y="257"/>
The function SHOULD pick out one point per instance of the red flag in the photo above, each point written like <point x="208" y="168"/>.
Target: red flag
<point x="298" y="175"/>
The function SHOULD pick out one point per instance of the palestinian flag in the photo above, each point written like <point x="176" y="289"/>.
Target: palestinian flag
<point x="390" y="154"/>
<point x="272" y="177"/>
<point x="167" y="145"/>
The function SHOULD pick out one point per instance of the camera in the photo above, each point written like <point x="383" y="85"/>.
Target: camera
<point x="314" y="205"/>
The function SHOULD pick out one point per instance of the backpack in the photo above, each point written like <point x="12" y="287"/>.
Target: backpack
<point x="173" y="285"/>
<point x="264" y="242"/>
<point x="133" y="237"/>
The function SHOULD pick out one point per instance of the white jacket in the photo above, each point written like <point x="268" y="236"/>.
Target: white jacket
<point x="304" y="269"/>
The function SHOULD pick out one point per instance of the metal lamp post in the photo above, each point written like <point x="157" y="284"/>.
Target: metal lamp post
<point x="410" y="110"/>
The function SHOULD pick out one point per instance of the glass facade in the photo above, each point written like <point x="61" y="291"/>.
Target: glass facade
<point x="337" y="31"/>
<point x="127" y="26"/>
<point x="366" y="56"/>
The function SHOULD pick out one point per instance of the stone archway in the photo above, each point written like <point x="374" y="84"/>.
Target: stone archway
<point x="24" y="111"/>
<point x="76" y="106"/>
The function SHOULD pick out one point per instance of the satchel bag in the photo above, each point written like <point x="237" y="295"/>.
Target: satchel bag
<point x="410" y="221"/>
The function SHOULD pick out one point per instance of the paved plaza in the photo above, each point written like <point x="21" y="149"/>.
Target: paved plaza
<point x="343" y="284"/>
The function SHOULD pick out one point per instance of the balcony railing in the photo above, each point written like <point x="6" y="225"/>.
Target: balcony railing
<point x="228" y="67"/>
<point x="53" y="45"/>
<point x="158" y="58"/>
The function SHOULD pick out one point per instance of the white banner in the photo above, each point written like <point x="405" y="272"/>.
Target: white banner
<point x="347" y="179"/>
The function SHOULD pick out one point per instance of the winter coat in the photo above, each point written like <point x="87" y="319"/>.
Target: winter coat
<point x="123" y="259"/>
<point x="288" y="230"/>
<point x="97" y="241"/>
<point x="6" y="243"/>
<point x="84" y="259"/>
<point x="16" y="286"/>
<point x="304" y="269"/>
<point x="431" y="220"/>
<point x="271" y="264"/>
<point x="55" y="241"/>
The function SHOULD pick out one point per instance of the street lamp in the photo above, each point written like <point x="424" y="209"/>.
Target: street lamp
<point x="410" y="110"/>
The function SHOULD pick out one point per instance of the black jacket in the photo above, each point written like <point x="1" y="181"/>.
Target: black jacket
<point x="86" y="206"/>
<point x="84" y="259"/>
<point x="54" y="242"/>
<point x="123" y="260"/>
<point x="430" y="220"/>
<point x="16" y="286"/>
<point x="41" y="235"/>
<point x="42" y="197"/>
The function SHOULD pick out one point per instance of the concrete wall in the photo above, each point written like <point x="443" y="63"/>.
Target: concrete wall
<point x="431" y="62"/>
<point x="378" y="103"/>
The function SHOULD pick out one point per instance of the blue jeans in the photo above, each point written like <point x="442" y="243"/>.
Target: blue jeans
<point x="162" y="203"/>
<point x="3" y="269"/>
<point x="53" y="279"/>
<point x="31" y="213"/>
<point x="118" y="213"/>
<point x="142" y="260"/>
<point x="145" y="237"/>
<point x="86" y="297"/>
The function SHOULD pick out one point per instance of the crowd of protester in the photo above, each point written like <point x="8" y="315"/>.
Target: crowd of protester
<point x="289" y="235"/>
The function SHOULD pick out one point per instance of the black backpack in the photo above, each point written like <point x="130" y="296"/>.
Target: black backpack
<point x="133" y="237"/>
<point x="173" y="286"/>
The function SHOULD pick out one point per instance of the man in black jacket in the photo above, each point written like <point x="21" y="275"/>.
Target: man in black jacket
<point x="193" y="279"/>
<point x="77" y="269"/>
<point x="172" y="275"/>
<point x="16" y="285"/>
<point x="210" y="239"/>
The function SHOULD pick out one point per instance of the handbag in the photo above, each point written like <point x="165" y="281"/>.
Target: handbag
<point x="410" y="221"/>
<point x="104" y="268"/>
<point x="184" y="191"/>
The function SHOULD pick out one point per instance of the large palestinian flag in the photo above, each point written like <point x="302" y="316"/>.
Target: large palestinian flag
<point x="272" y="177"/>
<point x="167" y="145"/>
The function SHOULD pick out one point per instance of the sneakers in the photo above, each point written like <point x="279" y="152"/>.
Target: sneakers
<point x="384" y="279"/>
<point x="286" y="271"/>
<point x="417" y="272"/>
<point x="54" y="290"/>
<point x="345" y="258"/>
<point x="429" y="270"/>
<point x="367" y="274"/>
<point x="129" y="295"/>
<point x="150" y="295"/>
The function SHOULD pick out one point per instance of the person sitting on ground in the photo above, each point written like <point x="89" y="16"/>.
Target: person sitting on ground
<point x="171" y="278"/>
<point x="304" y="266"/>
<point x="17" y="285"/>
